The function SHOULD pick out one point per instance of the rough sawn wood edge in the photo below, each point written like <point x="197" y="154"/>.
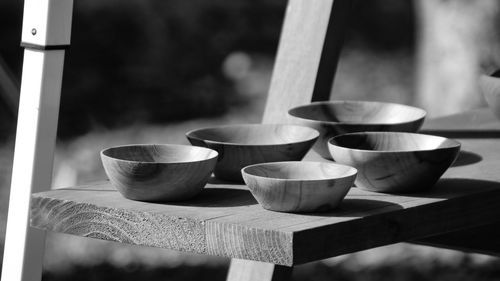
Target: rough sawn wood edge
<point x="161" y="230"/>
<point x="385" y="226"/>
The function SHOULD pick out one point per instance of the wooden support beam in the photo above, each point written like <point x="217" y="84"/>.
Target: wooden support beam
<point x="244" y="270"/>
<point x="308" y="52"/>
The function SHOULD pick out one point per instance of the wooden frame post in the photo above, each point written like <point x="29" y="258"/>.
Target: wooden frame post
<point x="46" y="33"/>
<point x="308" y="52"/>
<point x="310" y="44"/>
<point x="244" y="270"/>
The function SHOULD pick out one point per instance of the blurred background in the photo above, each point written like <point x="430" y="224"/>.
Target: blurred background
<point x="148" y="71"/>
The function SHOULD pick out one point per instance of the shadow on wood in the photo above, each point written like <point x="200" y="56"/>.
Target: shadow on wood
<point x="467" y="158"/>
<point x="220" y="197"/>
<point x="446" y="186"/>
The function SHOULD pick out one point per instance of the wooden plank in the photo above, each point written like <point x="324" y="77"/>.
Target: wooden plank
<point x="479" y="123"/>
<point x="243" y="270"/>
<point x="225" y="220"/>
<point x="360" y="235"/>
<point x="307" y="56"/>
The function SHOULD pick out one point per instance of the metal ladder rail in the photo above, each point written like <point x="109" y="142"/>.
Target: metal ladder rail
<point x="46" y="34"/>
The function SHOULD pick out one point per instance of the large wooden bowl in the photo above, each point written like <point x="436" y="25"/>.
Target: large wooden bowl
<point x="299" y="186"/>
<point x="395" y="162"/>
<point x="158" y="172"/>
<point x="332" y="118"/>
<point x="243" y="145"/>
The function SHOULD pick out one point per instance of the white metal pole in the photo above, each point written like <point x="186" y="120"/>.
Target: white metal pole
<point x="46" y="33"/>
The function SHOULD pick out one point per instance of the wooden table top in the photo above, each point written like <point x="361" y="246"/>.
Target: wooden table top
<point x="226" y="220"/>
<point x="478" y="123"/>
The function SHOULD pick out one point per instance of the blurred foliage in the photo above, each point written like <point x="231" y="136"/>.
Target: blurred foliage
<point x="309" y="272"/>
<point x="383" y="25"/>
<point x="10" y="36"/>
<point x="139" y="272"/>
<point x="160" y="61"/>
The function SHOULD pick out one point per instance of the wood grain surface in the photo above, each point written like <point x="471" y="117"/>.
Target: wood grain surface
<point x="475" y="124"/>
<point x="225" y="219"/>
<point x="395" y="162"/>
<point x="334" y="118"/>
<point x="299" y="186"/>
<point x="242" y="145"/>
<point x="158" y="172"/>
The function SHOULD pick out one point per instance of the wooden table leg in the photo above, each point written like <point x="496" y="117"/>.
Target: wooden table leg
<point x="245" y="270"/>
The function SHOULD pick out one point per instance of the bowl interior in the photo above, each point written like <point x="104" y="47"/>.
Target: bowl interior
<point x="358" y="112"/>
<point x="300" y="170"/>
<point x="160" y="153"/>
<point x="390" y="141"/>
<point x="255" y="134"/>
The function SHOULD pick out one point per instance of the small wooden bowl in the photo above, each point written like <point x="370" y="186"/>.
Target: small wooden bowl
<point x="332" y="118"/>
<point x="299" y="186"/>
<point x="158" y="172"/>
<point x="395" y="162"/>
<point x="243" y="145"/>
<point x="490" y="86"/>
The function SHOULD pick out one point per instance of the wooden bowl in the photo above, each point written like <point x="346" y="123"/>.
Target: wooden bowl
<point x="243" y="145"/>
<point x="299" y="186"/>
<point x="490" y="86"/>
<point x="158" y="172"/>
<point x="332" y="118"/>
<point x="395" y="162"/>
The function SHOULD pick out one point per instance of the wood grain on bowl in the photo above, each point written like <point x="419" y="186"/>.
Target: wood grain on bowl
<point x="242" y="145"/>
<point x="299" y="186"/>
<point x="158" y="172"/>
<point x="394" y="161"/>
<point x="332" y="118"/>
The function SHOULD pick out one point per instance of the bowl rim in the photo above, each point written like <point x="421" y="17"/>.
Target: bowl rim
<point x="336" y="102"/>
<point x="453" y="143"/>
<point x="352" y="172"/>
<point x="102" y="153"/>
<point x="314" y="132"/>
